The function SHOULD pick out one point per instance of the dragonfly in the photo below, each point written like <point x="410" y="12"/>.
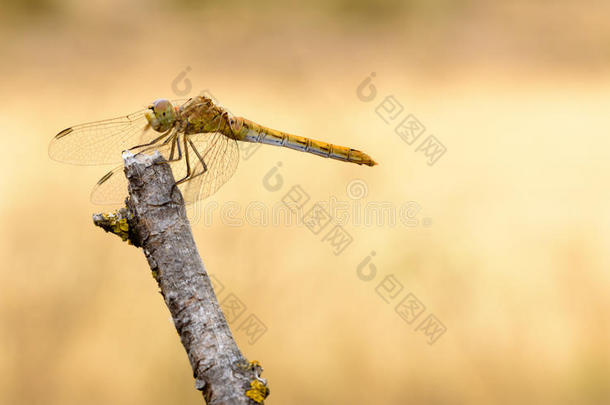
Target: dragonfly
<point x="197" y="137"/>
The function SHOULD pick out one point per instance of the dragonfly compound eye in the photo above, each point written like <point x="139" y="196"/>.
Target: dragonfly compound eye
<point x="161" y="105"/>
<point x="163" y="116"/>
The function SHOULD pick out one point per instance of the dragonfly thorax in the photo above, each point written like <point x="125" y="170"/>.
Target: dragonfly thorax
<point x="162" y="115"/>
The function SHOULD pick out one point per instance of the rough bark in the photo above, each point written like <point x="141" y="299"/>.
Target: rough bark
<point x="157" y="222"/>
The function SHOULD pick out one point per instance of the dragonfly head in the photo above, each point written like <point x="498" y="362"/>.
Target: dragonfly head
<point x="162" y="115"/>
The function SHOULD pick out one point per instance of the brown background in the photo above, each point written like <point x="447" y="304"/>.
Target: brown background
<point x="509" y="251"/>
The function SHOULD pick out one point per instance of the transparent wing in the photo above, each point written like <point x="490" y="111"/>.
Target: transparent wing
<point x="111" y="189"/>
<point x="101" y="142"/>
<point x="220" y="154"/>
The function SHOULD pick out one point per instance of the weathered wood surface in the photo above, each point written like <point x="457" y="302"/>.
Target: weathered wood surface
<point x="158" y="224"/>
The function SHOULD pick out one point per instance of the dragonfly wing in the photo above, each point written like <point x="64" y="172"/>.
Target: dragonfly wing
<point x="101" y="142"/>
<point x="220" y="155"/>
<point x="179" y="102"/>
<point x="111" y="189"/>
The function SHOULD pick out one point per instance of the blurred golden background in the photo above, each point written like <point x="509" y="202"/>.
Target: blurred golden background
<point x="506" y="247"/>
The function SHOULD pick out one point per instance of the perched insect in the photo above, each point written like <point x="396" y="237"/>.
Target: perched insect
<point x="198" y="138"/>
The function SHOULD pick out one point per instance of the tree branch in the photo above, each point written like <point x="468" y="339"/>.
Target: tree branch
<point x="155" y="219"/>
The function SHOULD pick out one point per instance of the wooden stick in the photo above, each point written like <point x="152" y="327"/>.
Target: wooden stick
<point x="155" y="220"/>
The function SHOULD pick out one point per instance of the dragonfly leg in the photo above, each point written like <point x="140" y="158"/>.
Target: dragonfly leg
<point x="195" y="175"/>
<point x="189" y="174"/>
<point x="154" y="141"/>
<point x="175" y="143"/>
<point x="188" y="163"/>
<point x="205" y="167"/>
<point x="171" y="153"/>
<point x="172" y="136"/>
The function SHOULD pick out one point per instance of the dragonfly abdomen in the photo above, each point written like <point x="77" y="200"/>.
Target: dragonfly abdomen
<point x="253" y="132"/>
